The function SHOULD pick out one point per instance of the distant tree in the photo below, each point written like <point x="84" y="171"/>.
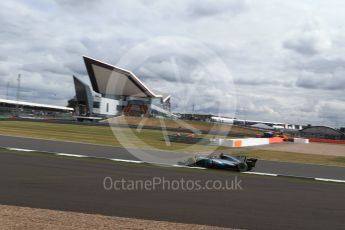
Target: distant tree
<point x="72" y="103"/>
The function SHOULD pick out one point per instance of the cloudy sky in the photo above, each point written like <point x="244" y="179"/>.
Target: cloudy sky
<point x="264" y="59"/>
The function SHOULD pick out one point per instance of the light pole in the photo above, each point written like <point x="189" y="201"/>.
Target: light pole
<point x="17" y="96"/>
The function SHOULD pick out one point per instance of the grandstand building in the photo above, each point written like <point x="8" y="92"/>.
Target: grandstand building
<point x="14" y="108"/>
<point x="116" y="91"/>
<point x="322" y="132"/>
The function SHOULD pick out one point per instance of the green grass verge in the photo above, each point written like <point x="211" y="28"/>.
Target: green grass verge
<point x="146" y="139"/>
<point x="199" y="125"/>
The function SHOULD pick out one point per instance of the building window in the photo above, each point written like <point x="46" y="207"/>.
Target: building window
<point x="107" y="107"/>
<point x="96" y="104"/>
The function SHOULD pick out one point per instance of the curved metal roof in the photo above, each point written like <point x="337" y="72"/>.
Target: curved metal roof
<point x="320" y="128"/>
<point x="107" y="79"/>
<point x="30" y="104"/>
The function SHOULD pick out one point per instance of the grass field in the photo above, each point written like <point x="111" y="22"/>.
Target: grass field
<point x="145" y="139"/>
<point x="197" y="125"/>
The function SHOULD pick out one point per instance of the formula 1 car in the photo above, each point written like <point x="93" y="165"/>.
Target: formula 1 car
<point x="226" y="162"/>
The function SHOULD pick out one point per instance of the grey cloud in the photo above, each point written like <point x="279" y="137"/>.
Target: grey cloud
<point x="3" y="72"/>
<point x="321" y="65"/>
<point x="88" y="5"/>
<point x="253" y="106"/>
<point x="46" y="66"/>
<point x="321" y="73"/>
<point x="45" y="41"/>
<point x="3" y="57"/>
<point x="174" y="68"/>
<point x="333" y="81"/>
<point x="302" y="46"/>
<point x="211" y="8"/>
<point x="76" y="67"/>
<point x="309" y="41"/>
<point x="258" y="81"/>
<point x="332" y="110"/>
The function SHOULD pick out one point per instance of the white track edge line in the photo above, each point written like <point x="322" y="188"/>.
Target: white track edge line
<point x="184" y="166"/>
<point x="129" y="161"/>
<point x="178" y="166"/>
<point x="261" y="174"/>
<point x="330" y="180"/>
<point x="69" y="155"/>
<point x="18" y="149"/>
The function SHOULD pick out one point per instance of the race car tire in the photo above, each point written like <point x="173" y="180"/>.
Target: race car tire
<point x="249" y="168"/>
<point x="242" y="167"/>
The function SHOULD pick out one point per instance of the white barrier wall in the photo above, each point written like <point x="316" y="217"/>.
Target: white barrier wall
<point x="254" y="141"/>
<point x="301" y="140"/>
<point x="228" y="142"/>
<point x="244" y="142"/>
<point x="216" y="141"/>
<point x="240" y="142"/>
<point x="223" y="142"/>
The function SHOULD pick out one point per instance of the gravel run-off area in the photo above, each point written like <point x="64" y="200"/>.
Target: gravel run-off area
<point x="13" y="217"/>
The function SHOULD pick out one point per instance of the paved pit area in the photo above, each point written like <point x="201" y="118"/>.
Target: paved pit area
<point x="311" y="148"/>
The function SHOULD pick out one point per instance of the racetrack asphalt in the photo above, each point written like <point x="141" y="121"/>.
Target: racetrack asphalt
<point x="76" y="184"/>
<point x="285" y="168"/>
